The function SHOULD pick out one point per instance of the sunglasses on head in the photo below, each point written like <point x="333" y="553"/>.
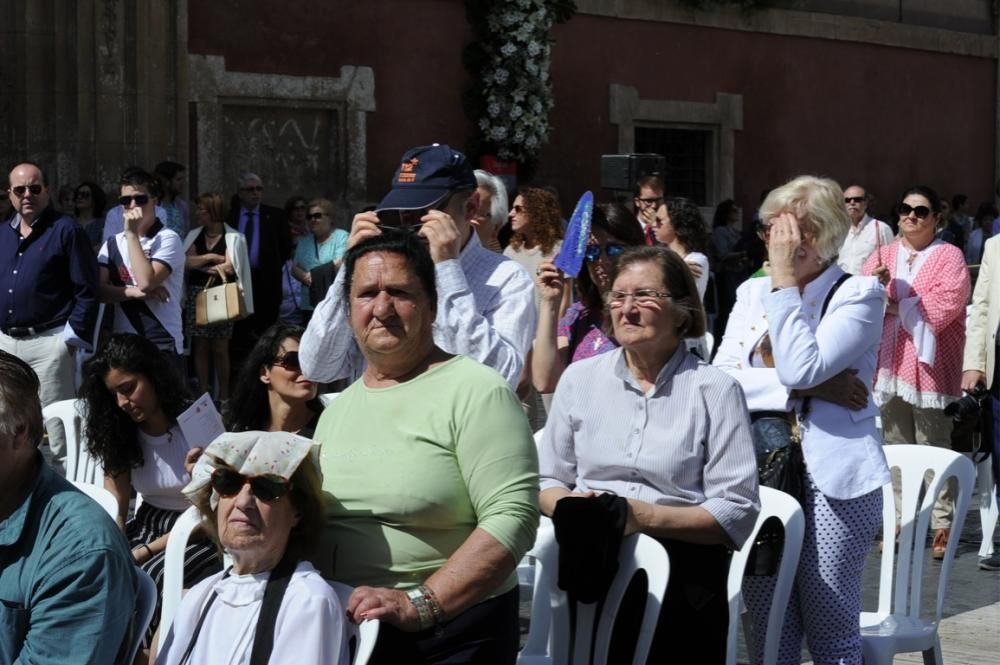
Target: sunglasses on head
<point x="611" y="250"/>
<point x="252" y="188"/>
<point x="920" y="212"/>
<point x="266" y="488"/>
<point x="290" y="360"/>
<point x="140" y="200"/>
<point x="854" y="199"/>
<point x="19" y="190"/>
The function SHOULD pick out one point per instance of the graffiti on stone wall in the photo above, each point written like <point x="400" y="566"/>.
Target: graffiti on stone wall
<point x="294" y="150"/>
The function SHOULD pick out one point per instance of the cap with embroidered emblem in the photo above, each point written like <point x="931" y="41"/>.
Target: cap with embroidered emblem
<point x="426" y="175"/>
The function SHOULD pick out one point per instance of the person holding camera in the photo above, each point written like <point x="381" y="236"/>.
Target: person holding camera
<point x="980" y="364"/>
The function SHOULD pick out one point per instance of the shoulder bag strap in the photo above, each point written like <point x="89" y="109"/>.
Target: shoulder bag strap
<point x="277" y="583"/>
<point x="826" y="304"/>
<point x="197" y="628"/>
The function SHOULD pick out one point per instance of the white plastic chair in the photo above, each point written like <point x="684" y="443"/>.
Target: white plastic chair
<point x="326" y="398"/>
<point x="549" y="640"/>
<point x="362" y="637"/>
<point x="102" y="496"/>
<point x="173" y="569"/>
<point x="709" y="341"/>
<point x="988" y="511"/>
<point x="80" y="466"/>
<point x="897" y="627"/>
<point x="145" y="605"/>
<point x="786" y="509"/>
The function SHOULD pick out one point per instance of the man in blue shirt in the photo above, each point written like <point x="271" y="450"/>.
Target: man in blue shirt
<point x="48" y="279"/>
<point x="67" y="579"/>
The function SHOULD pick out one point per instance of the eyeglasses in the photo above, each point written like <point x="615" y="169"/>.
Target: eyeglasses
<point x="266" y="488"/>
<point x="315" y="216"/>
<point x="19" y="190"/>
<point x="764" y="231"/>
<point x="854" y="199"/>
<point x="641" y="297"/>
<point x="593" y="252"/>
<point x="82" y="194"/>
<point x="252" y="188"/>
<point x="655" y="200"/>
<point x="290" y="361"/>
<point x="920" y="212"/>
<point x="140" y="200"/>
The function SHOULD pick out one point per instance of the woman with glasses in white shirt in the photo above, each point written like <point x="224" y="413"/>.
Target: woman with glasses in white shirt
<point x="652" y="423"/>
<point x="809" y="330"/>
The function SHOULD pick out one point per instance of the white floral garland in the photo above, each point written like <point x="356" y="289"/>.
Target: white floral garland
<point x="516" y="83"/>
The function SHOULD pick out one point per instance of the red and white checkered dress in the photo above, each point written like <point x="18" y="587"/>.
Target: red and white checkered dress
<point x="942" y="286"/>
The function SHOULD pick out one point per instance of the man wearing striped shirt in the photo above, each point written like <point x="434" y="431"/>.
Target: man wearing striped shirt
<point x="486" y="304"/>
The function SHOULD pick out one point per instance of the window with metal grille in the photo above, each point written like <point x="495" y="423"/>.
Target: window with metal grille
<point x="688" y="163"/>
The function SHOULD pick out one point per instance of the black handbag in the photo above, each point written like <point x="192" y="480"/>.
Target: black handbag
<point x="321" y="277"/>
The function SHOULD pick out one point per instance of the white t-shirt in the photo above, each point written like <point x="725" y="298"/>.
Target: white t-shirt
<point x="160" y="322"/>
<point x="161" y="477"/>
<point x="700" y="260"/>
<point x="309" y="629"/>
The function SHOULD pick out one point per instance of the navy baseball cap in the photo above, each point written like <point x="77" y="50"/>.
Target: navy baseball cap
<point x="426" y="175"/>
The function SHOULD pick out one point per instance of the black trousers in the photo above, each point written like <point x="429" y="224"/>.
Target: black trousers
<point x="694" y="619"/>
<point x="484" y="634"/>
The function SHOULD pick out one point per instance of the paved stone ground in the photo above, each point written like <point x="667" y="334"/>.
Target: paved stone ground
<point x="970" y="627"/>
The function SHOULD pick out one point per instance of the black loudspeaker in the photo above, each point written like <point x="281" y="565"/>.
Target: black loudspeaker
<point x="622" y="172"/>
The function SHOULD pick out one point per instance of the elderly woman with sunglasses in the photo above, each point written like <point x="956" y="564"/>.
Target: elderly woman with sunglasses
<point x="260" y="494"/>
<point x="432" y="470"/>
<point x="271" y="393"/>
<point x="802" y="343"/>
<point x="920" y="360"/>
<point x="580" y="332"/>
<point x="652" y="423"/>
<point x="323" y="245"/>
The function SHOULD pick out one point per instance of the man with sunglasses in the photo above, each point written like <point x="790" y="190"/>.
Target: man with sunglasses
<point x="142" y="270"/>
<point x="269" y="243"/>
<point x="865" y="234"/>
<point x="648" y="199"/>
<point x="486" y="302"/>
<point x="48" y="280"/>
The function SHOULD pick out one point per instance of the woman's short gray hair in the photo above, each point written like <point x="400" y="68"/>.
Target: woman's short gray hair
<point x="498" y="196"/>
<point x="819" y="203"/>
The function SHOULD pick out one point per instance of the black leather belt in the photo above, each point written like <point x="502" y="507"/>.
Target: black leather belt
<point x="31" y="331"/>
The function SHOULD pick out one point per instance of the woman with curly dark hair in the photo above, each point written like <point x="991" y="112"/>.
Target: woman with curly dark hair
<point x="580" y="332"/>
<point x="536" y="223"/>
<point x="680" y="226"/>
<point x="271" y="394"/>
<point x="132" y="396"/>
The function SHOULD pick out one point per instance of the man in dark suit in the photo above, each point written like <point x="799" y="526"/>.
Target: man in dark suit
<point x="269" y="244"/>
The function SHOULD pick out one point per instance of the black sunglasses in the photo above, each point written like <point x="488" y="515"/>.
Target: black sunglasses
<point x="854" y="199"/>
<point x="290" y="360"/>
<point x="19" y="190"/>
<point x="314" y="216"/>
<point x="920" y="212"/>
<point x="611" y="250"/>
<point x="266" y="488"/>
<point x="140" y="200"/>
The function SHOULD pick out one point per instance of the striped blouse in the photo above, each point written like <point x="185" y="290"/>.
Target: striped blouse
<point x="685" y="442"/>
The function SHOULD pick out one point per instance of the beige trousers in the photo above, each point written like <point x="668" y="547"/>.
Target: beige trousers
<point x="904" y="423"/>
<point x="49" y="356"/>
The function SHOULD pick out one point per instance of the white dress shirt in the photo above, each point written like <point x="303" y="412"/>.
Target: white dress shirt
<point x="842" y="448"/>
<point x="686" y="442"/>
<point x="860" y="242"/>
<point x="309" y="629"/>
<point x="486" y="310"/>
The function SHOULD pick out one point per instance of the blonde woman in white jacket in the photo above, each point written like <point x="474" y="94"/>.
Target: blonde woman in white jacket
<point x="781" y="346"/>
<point x="213" y="248"/>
